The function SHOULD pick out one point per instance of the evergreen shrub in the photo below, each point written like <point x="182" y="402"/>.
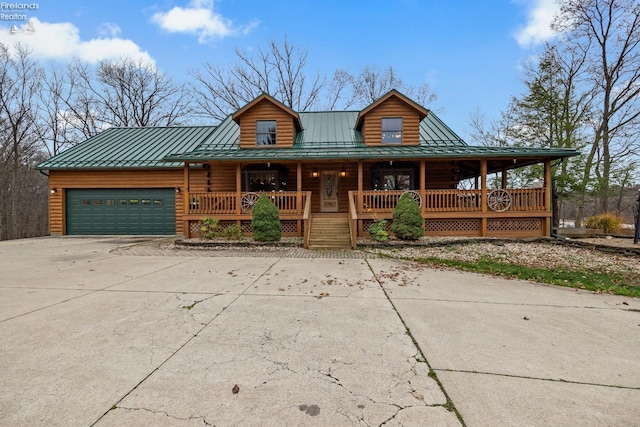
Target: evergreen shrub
<point x="266" y="220"/>
<point x="407" y="220"/>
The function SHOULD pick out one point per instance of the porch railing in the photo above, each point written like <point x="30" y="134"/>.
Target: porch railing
<point x="453" y="201"/>
<point x="522" y="199"/>
<point x="212" y="203"/>
<point x="527" y="199"/>
<point x="232" y="203"/>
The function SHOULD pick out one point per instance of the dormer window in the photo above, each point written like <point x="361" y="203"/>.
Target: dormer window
<point x="392" y="130"/>
<point x="265" y="132"/>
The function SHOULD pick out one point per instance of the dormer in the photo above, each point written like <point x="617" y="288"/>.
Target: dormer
<point x="267" y="123"/>
<point x="393" y="119"/>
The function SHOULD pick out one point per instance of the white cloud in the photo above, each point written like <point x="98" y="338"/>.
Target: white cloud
<point x="109" y="29"/>
<point x="538" y="28"/>
<point x="199" y="19"/>
<point x="61" y="41"/>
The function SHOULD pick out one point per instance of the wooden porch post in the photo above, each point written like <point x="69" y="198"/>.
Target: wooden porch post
<point x="504" y="177"/>
<point x="423" y="178"/>
<point x="360" y="185"/>
<point x="238" y="189"/>
<point x="483" y="196"/>
<point x="299" y="205"/>
<point x="186" y="229"/>
<point x="299" y="186"/>
<point x="359" y="201"/>
<point x="547" y="195"/>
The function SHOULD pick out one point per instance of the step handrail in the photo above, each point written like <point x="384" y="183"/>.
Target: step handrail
<point x="306" y="220"/>
<point x="353" y="221"/>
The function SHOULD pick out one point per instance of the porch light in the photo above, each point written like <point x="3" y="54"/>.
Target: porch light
<point x="53" y="191"/>
<point x="177" y="189"/>
<point x="314" y="173"/>
<point x="343" y="172"/>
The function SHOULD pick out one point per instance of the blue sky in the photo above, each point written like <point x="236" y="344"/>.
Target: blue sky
<point x="469" y="51"/>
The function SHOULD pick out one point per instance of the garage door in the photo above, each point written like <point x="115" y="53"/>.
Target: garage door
<point x="121" y="211"/>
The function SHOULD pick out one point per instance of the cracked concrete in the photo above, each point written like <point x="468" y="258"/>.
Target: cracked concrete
<point x="93" y="336"/>
<point x="508" y="351"/>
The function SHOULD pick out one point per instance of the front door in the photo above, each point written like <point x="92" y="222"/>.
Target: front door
<point x="329" y="191"/>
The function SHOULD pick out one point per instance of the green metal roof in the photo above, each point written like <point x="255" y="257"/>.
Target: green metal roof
<point x="367" y="153"/>
<point x="325" y="136"/>
<point x="331" y="135"/>
<point x="334" y="128"/>
<point x="138" y="147"/>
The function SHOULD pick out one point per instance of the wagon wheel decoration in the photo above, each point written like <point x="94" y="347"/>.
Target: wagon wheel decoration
<point x="247" y="201"/>
<point x="414" y="195"/>
<point x="499" y="200"/>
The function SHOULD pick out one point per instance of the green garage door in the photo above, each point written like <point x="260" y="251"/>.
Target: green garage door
<point x="121" y="211"/>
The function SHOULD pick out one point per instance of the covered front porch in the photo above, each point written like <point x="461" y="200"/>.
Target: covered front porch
<point x="361" y="191"/>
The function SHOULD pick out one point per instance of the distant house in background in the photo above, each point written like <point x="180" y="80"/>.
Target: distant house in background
<point x="330" y="174"/>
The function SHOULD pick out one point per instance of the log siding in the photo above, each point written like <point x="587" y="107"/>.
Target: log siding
<point x="266" y="110"/>
<point x="391" y="108"/>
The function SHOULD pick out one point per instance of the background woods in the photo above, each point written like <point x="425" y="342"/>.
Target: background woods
<point x="580" y="91"/>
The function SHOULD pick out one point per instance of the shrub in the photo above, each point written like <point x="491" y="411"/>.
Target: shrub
<point x="608" y="222"/>
<point x="378" y="230"/>
<point x="232" y="232"/>
<point x="209" y="227"/>
<point x="407" y="220"/>
<point x="266" y="220"/>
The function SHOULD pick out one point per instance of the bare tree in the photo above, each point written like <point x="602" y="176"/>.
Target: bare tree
<point x="278" y="70"/>
<point x="339" y="91"/>
<point x="488" y="134"/>
<point x="82" y="101"/>
<point x="134" y="93"/>
<point x="80" y="108"/>
<point x="372" y="83"/>
<point x="609" y="32"/>
<point x="57" y="130"/>
<point x="19" y="87"/>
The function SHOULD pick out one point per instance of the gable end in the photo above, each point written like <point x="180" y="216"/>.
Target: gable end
<point x="391" y="108"/>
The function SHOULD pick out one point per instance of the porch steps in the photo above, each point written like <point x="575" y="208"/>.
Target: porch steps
<point x="329" y="233"/>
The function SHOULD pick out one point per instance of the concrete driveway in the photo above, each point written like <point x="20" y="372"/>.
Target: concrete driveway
<point x="96" y="335"/>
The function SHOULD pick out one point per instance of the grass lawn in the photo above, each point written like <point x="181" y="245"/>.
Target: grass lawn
<point x="615" y="283"/>
<point x="539" y="261"/>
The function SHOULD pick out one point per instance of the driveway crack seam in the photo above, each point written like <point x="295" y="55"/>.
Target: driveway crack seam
<point x="524" y="377"/>
<point x="432" y="373"/>
<point x="88" y="292"/>
<point x="168" y="415"/>
<point x="153" y="371"/>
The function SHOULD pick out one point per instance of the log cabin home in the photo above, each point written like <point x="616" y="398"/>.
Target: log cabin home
<point x="331" y="174"/>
